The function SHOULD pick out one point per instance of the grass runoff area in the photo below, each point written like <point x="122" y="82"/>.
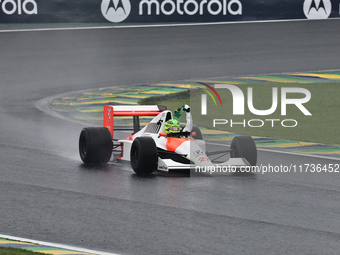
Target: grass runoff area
<point x="321" y="127"/>
<point x="16" y="251"/>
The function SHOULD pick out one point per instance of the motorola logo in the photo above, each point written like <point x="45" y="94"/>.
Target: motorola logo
<point x="19" y="7"/>
<point x="116" y="10"/>
<point x="317" y="9"/>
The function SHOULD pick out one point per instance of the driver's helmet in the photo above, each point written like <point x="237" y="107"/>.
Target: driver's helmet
<point x="172" y="126"/>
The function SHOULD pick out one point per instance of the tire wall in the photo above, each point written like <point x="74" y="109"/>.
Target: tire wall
<point x="154" y="11"/>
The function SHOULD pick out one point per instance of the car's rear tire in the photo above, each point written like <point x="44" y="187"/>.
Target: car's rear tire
<point x="244" y="147"/>
<point x="143" y="155"/>
<point x="198" y="133"/>
<point x="95" y="145"/>
<point x="195" y="129"/>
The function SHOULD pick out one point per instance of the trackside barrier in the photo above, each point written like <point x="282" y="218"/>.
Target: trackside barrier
<point x="155" y="11"/>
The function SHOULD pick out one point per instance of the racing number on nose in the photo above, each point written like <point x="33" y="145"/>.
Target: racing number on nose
<point x="202" y="159"/>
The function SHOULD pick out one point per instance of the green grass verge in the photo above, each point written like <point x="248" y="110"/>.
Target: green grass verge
<point x="16" y="251"/>
<point x="321" y="127"/>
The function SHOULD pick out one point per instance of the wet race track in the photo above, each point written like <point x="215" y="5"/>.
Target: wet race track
<point x="47" y="194"/>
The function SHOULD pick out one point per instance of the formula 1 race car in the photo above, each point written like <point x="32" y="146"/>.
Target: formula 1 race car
<point x="154" y="147"/>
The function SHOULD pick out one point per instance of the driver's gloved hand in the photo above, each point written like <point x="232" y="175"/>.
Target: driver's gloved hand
<point x="186" y="108"/>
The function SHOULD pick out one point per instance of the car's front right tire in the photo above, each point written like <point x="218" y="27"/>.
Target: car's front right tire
<point x="244" y="147"/>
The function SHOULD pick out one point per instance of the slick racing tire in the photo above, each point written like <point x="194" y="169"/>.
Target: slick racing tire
<point x="143" y="155"/>
<point x="196" y="130"/>
<point x="95" y="145"/>
<point x="198" y="133"/>
<point x="244" y="147"/>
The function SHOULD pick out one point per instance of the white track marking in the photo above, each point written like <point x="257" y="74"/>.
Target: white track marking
<point x="299" y="154"/>
<point x="59" y="246"/>
<point x="151" y="26"/>
<point x="283" y="152"/>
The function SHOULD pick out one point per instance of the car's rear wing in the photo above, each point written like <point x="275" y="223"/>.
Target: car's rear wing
<point x="110" y="111"/>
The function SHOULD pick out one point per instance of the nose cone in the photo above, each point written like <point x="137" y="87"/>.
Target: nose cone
<point x="192" y="151"/>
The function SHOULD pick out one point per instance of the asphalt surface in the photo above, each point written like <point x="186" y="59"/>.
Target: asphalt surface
<point x="47" y="194"/>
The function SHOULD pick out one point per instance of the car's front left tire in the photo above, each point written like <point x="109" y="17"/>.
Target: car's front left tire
<point x="143" y="155"/>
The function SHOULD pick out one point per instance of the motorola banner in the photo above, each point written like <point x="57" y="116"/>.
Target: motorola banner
<point x="151" y="11"/>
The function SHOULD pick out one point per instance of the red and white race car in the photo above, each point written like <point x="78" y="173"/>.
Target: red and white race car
<point x="150" y="148"/>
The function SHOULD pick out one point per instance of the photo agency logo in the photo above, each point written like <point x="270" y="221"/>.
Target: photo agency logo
<point x="317" y="9"/>
<point x="204" y="97"/>
<point x="116" y="10"/>
<point x="238" y="105"/>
